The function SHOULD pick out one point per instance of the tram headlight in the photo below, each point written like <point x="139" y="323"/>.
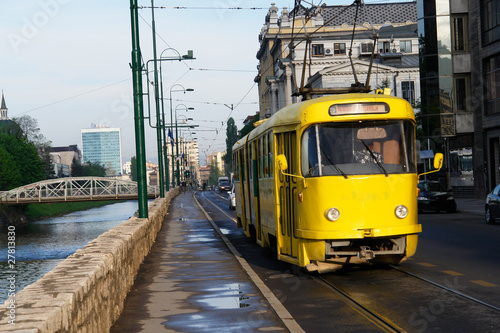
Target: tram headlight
<point x="332" y="214"/>
<point x="401" y="211"/>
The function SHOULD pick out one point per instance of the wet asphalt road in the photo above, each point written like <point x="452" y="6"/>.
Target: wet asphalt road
<point x="411" y="304"/>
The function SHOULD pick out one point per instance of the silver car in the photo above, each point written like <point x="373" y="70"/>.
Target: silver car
<point x="232" y="199"/>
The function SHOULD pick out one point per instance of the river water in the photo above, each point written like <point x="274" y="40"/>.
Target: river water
<point x="41" y="245"/>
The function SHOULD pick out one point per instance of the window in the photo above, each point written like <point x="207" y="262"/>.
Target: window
<point x="408" y="90"/>
<point x="491" y="20"/>
<point x="459" y="33"/>
<point x="492" y="79"/>
<point x="405" y="46"/>
<point x="366" y="48"/>
<point x="462" y="92"/>
<point x="386" y="47"/>
<point x="318" y="50"/>
<point x="339" y="48"/>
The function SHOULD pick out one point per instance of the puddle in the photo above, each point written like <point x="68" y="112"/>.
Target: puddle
<point x="225" y="231"/>
<point x="200" y="239"/>
<point x="227" y="297"/>
<point x="226" y="302"/>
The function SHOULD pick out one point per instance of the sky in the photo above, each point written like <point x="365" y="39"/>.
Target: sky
<point x="66" y="63"/>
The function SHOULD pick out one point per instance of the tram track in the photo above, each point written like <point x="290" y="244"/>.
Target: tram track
<point x="455" y="292"/>
<point x="383" y="323"/>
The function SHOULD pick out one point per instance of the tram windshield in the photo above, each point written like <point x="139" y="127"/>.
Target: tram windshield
<point x="354" y="148"/>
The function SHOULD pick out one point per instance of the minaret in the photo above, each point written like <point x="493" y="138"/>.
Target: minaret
<point x="3" y="110"/>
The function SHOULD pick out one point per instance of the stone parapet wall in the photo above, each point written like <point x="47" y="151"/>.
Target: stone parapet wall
<point x="86" y="292"/>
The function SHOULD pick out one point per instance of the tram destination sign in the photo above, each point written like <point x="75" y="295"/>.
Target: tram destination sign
<point x="358" y="108"/>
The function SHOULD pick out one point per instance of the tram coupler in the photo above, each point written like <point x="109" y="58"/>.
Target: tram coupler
<point x="366" y="253"/>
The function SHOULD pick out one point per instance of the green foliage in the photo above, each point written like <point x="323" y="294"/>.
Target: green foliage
<point x="249" y="127"/>
<point x="31" y="132"/>
<point x="89" y="169"/>
<point x="231" y="138"/>
<point x="40" y="211"/>
<point x="213" y="177"/>
<point x="20" y="163"/>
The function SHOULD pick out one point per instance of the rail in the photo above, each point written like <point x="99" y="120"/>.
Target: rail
<point x="74" y="189"/>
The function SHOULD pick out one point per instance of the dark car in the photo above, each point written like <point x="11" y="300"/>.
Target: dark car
<point x="433" y="196"/>
<point x="492" y="206"/>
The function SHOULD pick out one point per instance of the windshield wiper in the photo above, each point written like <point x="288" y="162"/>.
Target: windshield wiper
<point x="375" y="158"/>
<point x="333" y="164"/>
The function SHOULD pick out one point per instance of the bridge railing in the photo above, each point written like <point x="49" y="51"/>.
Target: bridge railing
<point x="74" y="189"/>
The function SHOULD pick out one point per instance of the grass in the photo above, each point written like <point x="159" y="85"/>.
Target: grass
<point x="43" y="210"/>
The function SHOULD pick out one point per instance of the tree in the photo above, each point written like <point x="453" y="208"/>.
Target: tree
<point x="87" y="170"/>
<point x="231" y="138"/>
<point x="249" y="127"/>
<point x="76" y="168"/>
<point x="20" y="163"/>
<point x="214" y="175"/>
<point x="31" y="131"/>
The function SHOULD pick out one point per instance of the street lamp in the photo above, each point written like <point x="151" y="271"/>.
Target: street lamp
<point x="163" y="137"/>
<point x="177" y="138"/>
<point x="172" y="124"/>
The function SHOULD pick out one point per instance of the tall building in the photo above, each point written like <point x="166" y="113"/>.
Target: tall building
<point x="101" y="144"/>
<point x="449" y="107"/>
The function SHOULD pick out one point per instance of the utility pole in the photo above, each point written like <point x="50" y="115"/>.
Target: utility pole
<point x="157" y="105"/>
<point x="140" y="146"/>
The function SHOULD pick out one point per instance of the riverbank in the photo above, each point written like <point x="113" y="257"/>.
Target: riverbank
<point x="42" y="211"/>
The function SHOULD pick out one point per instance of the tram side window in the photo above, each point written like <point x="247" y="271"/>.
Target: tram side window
<point x="265" y="165"/>
<point x="270" y="153"/>
<point x="235" y="165"/>
<point x="309" y="156"/>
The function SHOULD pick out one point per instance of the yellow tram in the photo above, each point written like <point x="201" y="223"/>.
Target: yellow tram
<point x="331" y="181"/>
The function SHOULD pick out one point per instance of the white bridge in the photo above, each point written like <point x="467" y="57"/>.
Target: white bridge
<point x="74" y="189"/>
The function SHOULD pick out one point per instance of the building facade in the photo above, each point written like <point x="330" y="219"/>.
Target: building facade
<point x="484" y="44"/>
<point x="449" y="108"/>
<point x="101" y="144"/>
<point x="216" y="159"/>
<point x="320" y="59"/>
<point x="62" y="158"/>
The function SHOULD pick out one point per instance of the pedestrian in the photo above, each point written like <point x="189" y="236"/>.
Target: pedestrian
<point x="183" y="187"/>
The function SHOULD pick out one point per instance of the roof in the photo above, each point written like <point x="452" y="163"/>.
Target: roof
<point x="3" y="107"/>
<point x="399" y="12"/>
<point x="9" y="127"/>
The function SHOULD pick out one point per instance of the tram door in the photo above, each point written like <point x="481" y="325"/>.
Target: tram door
<point x="287" y="192"/>
<point x="243" y="179"/>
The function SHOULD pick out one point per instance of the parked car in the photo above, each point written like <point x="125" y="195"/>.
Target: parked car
<point x="232" y="199"/>
<point x="433" y="196"/>
<point x="492" y="206"/>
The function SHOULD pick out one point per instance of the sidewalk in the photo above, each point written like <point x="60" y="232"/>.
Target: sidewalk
<point x="191" y="282"/>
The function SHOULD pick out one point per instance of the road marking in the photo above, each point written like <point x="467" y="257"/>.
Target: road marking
<point x="426" y="264"/>
<point x="452" y="273"/>
<point x="483" y="283"/>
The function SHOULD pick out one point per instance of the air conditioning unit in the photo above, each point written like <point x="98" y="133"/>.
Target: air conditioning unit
<point x="328" y="52"/>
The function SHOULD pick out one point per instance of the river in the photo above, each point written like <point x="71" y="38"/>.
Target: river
<point x="41" y="245"/>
